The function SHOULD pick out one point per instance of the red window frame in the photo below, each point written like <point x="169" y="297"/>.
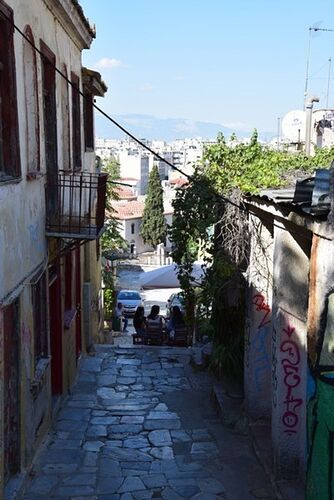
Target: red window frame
<point x="10" y="167"/>
<point x="39" y="301"/>
<point x="33" y="127"/>
<point x="89" y="122"/>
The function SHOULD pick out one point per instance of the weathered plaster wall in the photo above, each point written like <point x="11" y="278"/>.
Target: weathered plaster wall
<point x="258" y="355"/>
<point x="289" y="377"/>
<point x="22" y="205"/>
<point x="22" y="239"/>
<point x="35" y="387"/>
<point x="23" y="250"/>
<point x="1" y="402"/>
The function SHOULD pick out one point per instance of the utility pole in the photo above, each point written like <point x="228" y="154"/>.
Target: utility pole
<point x="308" y="131"/>
<point x="314" y="29"/>
<point x="328" y="81"/>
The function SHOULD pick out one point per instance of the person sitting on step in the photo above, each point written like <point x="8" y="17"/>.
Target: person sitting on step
<point x="119" y="314"/>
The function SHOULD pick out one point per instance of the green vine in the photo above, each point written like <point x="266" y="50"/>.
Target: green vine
<point x="226" y="170"/>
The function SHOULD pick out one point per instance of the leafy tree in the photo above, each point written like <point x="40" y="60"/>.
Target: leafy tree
<point x="214" y="198"/>
<point x="111" y="239"/>
<point x="153" y="228"/>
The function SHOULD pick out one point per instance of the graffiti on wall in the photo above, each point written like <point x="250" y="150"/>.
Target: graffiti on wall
<point x="260" y="345"/>
<point x="291" y="361"/>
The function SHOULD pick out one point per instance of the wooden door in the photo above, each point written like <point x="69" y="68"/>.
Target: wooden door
<point x="55" y="329"/>
<point x="11" y="391"/>
<point x="78" y="301"/>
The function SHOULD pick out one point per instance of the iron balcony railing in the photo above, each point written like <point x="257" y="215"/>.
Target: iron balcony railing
<point x="75" y="205"/>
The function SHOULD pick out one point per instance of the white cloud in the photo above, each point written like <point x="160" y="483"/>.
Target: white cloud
<point x="179" y="78"/>
<point x="107" y="63"/>
<point x="146" y="87"/>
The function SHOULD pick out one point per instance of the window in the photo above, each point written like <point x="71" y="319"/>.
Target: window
<point x="11" y="390"/>
<point x="50" y="127"/>
<point x="9" y="135"/>
<point x="133" y="228"/>
<point x="31" y="102"/>
<point x="68" y="281"/>
<point x="65" y="113"/>
<point x="40" y="323"/>
<point x="76" y="123"/>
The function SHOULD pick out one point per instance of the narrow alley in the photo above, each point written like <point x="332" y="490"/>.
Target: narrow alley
<point x="140" y="424"/>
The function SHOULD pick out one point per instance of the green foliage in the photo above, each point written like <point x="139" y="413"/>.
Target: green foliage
<point x="111" y="239"/>
<point x="225" y="170"/>
<point x="227" y="358"/>
<point x="109" y="302"/>
<point x="153" y="228"/>
<point x="252" y="167"/>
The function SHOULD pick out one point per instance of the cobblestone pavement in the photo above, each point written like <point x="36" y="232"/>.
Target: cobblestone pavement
<point x="140" y="424"/>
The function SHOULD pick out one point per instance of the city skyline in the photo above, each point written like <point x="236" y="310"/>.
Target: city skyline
<point x="241" y="66"/>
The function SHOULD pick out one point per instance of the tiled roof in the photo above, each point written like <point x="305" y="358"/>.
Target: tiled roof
<point x="125" y="192"/>
<point x="131" y="209"/>
<point x="128" y="209"/>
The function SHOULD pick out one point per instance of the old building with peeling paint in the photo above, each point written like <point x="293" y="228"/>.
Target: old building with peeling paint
<point x="52" y="201"/>
<point x="289" y="360"/>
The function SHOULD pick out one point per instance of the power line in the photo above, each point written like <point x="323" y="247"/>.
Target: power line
<point x="94" y="105"/>
<point x="138" y="141"/>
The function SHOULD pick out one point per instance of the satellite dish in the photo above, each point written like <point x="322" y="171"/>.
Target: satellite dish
<point x="293" y="126"/>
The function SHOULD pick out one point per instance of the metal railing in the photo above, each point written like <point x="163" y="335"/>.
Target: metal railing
<point x="75" y="205"/>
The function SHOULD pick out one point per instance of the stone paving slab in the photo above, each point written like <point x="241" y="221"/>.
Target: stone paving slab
<point x="140" y="424"/>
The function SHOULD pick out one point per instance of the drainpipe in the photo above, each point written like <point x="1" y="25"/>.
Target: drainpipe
<point x="309" y="107"/>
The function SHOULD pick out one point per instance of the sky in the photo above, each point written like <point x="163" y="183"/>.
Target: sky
<point x="239" y="63"/>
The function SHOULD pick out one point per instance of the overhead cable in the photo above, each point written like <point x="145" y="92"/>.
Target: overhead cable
<point x="118" y="125"/>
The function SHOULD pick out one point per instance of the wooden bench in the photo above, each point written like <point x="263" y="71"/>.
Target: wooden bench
<point x="154" y="334"/>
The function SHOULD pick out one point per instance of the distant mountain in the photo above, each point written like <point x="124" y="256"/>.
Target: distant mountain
<point x="167" y="129"/>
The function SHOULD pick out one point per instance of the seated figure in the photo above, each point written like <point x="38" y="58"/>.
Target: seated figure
<point x="139" y="321"/>
<point x="119" y="315"/>
<point x="154" y="325"/>
<point x="176" y="320"/>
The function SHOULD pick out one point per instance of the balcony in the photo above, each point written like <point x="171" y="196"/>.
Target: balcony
<point x="75" y="205"/>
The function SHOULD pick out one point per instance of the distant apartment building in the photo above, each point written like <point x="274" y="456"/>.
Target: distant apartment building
<point x="135" y="164"/>
<point x="129" y="214"/>
<point x="163" y="167"/>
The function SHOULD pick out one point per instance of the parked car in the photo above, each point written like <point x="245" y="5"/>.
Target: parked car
<point x="130" y="299"/>
<point x="176" y="299"/>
